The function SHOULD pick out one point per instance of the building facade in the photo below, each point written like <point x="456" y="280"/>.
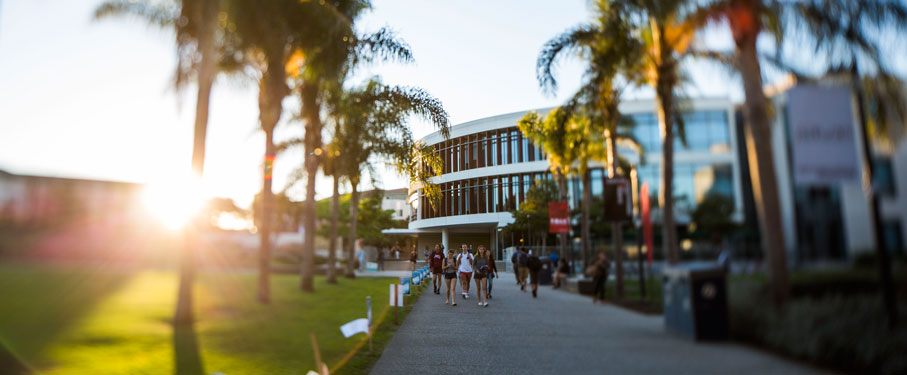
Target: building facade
<point x="489" y="167"/>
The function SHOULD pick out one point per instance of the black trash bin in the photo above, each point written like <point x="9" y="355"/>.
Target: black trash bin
<point x="546" y="273"/>
<point x="695" y="300"/>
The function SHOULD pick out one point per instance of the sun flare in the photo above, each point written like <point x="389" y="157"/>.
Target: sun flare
<point x="174" y="203"/>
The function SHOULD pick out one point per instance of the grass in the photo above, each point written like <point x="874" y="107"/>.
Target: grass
<point x="104" y="320"/>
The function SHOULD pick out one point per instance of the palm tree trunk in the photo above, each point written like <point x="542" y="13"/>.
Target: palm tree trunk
<point x="562" y="190"/>
<point x="207" y="70"/>
<point x="587" y="202"/>
<point x="335" y="221"/>
<point x="617" y="234"/>
<point x="313" y="126"/>
<point x="267" y="202"/>
<point x="664" y="92"/>
<point x="762" y="168"/>
<point x="354" y="220"/>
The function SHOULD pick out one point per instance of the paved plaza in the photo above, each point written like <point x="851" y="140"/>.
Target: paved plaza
<point x="557" y="333"/>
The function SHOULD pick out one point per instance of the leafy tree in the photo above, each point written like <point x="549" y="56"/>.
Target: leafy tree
<point x="562" y="136"/>
<point x="533" y="212"/>
<point x="196" y="26"/>
<point x="373" y="125"/>
<point x="713" y="217"/>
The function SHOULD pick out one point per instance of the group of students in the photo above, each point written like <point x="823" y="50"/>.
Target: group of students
<point x="464" y="266"/>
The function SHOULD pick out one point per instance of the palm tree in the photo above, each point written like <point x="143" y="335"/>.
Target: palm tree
<point x="329" y="56"/>
<point x="331" y="168"/>
<point x="372" y="123"/>
<point x="196" y="27"/>
<point x="610" y="54"/>
<point x="562" y="136"/>
<point x="844" y="31"/>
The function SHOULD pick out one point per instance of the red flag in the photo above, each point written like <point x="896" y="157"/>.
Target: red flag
<point x="646" y="220"/>
<point x="558" y="217"/>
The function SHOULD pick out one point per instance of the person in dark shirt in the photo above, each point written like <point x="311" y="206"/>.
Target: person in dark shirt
<point x="522" y="270"/>
<point x="492" y="272"/>
<point x="450" y="275"/>
<point x="599" y="273"/>
<point x="436" y="263"/>
<point x="534" y="265"/>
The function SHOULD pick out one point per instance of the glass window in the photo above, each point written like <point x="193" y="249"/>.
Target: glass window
<point x="524" y="150"/>
<point x="597" y="182"/>
<point x="514" y="146"/>
<point x="505" y="149"/>
<point x="495" y="195"/>
<point x="493" y="150"/>
<point x="481" y="153"/>
<point x="514" y="192"/>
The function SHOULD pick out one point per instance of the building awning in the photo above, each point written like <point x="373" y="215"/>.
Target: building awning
<point x="408" y="232"/>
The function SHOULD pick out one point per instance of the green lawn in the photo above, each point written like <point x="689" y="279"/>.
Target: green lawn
<point x="107" y="320"/>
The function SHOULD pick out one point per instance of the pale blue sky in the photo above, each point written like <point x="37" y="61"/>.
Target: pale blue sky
<point x="90" y="99"/>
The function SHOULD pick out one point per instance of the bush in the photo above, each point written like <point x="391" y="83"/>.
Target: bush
<point x="846" y="332"/>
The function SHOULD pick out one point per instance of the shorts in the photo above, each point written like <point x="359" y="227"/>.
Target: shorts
<point x="522" y="272"/>
<point x="534" y="278"/>
<point x="436" y="270"/>
<point x="465" y="276"/>
<point x="480" y="276"/>
<point x="450" y="276"/>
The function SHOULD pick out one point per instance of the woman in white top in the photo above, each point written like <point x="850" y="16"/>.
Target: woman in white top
<point x="464" y="265"/>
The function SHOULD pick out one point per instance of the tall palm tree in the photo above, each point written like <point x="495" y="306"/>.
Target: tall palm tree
<point x="196" y="24"/>
<point x="373" y="124"/>
<point x="610" y="53"/>
<point x="562" y="136"/>
<point x="332" y="168"/>
<point x="338" y="51"/>
<point x="841" y="30"/>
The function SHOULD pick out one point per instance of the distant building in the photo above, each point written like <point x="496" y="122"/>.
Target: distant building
<point x="819" y="167"/>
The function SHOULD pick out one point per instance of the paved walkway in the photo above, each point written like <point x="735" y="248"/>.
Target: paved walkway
<point x="558" y="333"/>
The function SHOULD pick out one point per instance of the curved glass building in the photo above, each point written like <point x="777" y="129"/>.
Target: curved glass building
<point x="489" y="167"/>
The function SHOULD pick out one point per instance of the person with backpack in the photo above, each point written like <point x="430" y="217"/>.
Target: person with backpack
<point x="492" y="270"/>
<point x="534" y="265"/>
<point x="450" y="273"/>
<point x="464" y="265"/>
<point x="436" y="264"/>
<point x="483" y="272"/>
<point x="522" y="271"/>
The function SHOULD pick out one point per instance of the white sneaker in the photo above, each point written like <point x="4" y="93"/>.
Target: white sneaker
<point x="480" y="304"/>
<point x="485" y="304"/>
<point x="465" y="296"/>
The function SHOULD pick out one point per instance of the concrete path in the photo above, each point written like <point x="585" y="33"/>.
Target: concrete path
<point x="557" y="333"/>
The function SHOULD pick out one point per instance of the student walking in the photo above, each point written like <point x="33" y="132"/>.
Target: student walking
<point x="534" y="265"/>
<point x="464" y="265"/>
<point x="380" y="259"/>
<point x="482" y="271"/>
<point x="450" y="273"/>
<point x="599" y="273"/>
<point x="492" y="271"/>
<point x="522" y="271"/>
<point x="412" y="259"/>
<point x="436" y="263"/>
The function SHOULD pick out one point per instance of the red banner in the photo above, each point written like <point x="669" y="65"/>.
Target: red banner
<point x="558" y="217"/>
<point x="646" y="220"/>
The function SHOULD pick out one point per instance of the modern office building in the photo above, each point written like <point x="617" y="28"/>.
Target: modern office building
<point x="489" y="166"/>
<point x="819" y="163"/>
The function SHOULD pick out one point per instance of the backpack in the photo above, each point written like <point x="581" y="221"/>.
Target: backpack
<point x="533" y="263"/>
<point x="523" y="258"/>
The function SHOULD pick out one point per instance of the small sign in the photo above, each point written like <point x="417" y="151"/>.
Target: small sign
<point x="618" y="199"/>
<point x="404" y="284"/>
<point x="396" y="295"/>
<point x="558" y="217"/>
<point x="646" y="221"/>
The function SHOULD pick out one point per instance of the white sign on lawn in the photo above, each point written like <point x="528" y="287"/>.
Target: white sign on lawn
<point x="397" y="290"/>
<point x="354" y="327"/>
<point x="823" y="137"/>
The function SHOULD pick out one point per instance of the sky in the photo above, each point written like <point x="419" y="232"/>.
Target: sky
<point x="93" y="99"/>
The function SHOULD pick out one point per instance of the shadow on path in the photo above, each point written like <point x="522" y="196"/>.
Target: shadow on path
<point x="186" y="352"/>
